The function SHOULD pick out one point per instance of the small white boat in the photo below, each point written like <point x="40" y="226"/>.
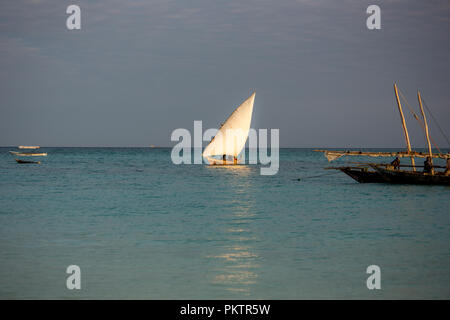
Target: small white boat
<point x="30" y="154"/>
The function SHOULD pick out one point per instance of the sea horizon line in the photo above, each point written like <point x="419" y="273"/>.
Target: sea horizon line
<point x="170" y="147"/>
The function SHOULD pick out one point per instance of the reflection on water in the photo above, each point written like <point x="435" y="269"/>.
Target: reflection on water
<point x="240" y="169"/>
<point x="238" y="266"/>
<point x="237" y="263"/>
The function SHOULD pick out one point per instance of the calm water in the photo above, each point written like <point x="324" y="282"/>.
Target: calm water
<point x="140" y="227"/>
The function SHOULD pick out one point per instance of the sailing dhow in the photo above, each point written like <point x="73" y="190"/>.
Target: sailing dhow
<point x="232" y="135"/>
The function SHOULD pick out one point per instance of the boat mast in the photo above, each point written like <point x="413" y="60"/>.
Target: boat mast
<point x="405" y="130"/>
<point x="426" y="130"/>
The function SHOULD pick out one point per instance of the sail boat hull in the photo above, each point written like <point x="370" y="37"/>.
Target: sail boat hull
<point x="412" y="177"/>
<point x="362" y="175"/>
<point x="219" y="162"/>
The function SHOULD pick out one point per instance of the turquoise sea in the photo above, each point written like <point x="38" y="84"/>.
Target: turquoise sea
<point x="140" y="227"/>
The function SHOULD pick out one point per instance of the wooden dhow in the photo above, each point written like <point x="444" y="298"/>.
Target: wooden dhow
<point x="392" y="173"/>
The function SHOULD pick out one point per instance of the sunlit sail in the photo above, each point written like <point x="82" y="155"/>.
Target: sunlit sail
<point x="232" y="135"/>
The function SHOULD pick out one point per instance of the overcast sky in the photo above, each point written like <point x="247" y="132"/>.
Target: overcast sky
<point x="139" y="69"/>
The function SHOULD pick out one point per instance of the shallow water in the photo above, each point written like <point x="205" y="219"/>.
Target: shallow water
<point x="140" y="227"/>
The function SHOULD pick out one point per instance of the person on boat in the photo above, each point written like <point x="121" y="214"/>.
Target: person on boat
<point x="224" y="158"/>
<point x="447" y="169"/>
<point x="235" y="160"/>
<point x="396" y="163"/>
<point x="427" y="166"/>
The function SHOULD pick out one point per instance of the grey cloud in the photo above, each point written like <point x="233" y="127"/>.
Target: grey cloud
<point x="139" y="69"/>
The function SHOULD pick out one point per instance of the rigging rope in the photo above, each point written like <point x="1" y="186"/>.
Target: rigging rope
<point x="437" y="123"/>
<point x="320" y="175"/>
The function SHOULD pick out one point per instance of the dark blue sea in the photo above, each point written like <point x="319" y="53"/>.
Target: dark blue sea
<point x="140" y="227"/>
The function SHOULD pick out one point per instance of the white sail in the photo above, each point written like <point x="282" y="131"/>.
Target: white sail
<point x="232" y="135"/>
